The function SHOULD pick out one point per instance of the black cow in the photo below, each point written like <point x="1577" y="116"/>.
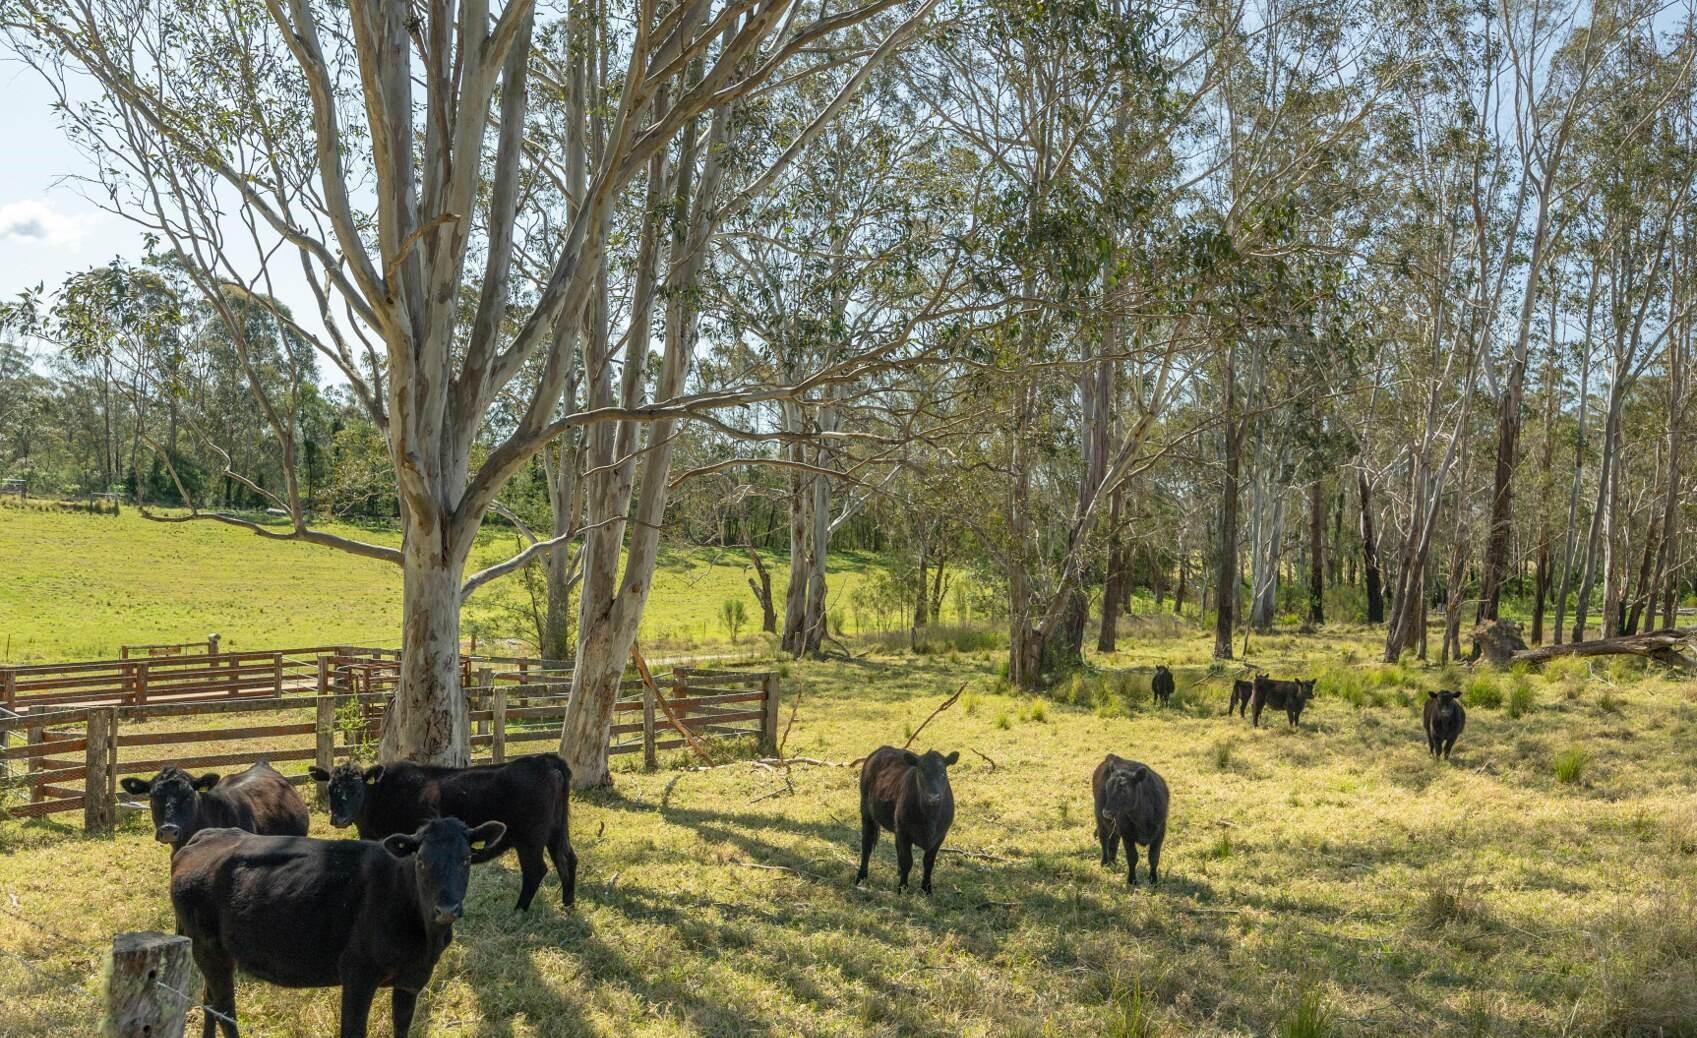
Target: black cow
<point x="304" y="913"/>
<point x="1242" y="691"/>
<point x="1131" y="802"/>
<point x="1289" y="696"/>
<point x="258" y="800"/>
<point x="1444" y="720"/>
<point x="1161" y="685"/>
<point x="527" y="795"/>
<point x="908" y="794"/>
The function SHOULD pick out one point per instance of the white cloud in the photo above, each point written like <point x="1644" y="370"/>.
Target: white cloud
<point x="34" y="221"/>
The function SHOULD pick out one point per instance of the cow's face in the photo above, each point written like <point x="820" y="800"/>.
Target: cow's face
<point x="173" y="796"/>
<point x="931" y="772"/>
<point x="1304" y="691"/>
<point x="1121" y="789"/>
<point x="348" y="787"/>
<point x="1446" y="701"/>
<point x="443" y="851"/>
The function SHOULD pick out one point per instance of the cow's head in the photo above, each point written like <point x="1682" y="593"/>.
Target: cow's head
<point x="931" y="773"/>
<point x="1445" y="699"/>
<point x="1304" y="691"/>
<point x="173" y="795"/>
<point x="349" y="784"/>
<point x="1121" y="791"/>
<point x="443" y="851"/>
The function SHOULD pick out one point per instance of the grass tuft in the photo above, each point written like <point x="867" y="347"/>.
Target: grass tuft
<point x="1309" y="1017"/>
<point x="1570" y="765"/>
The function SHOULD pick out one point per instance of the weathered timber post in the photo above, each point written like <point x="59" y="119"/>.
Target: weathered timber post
<point x="277" y="673"/>
<point x="485" y="680"/>
<point x="100" y="759"/>
<point x="35" y="737"/>
<point x="9" y="689"/>
<point x="769" y="720"/>
<point x="148" y="983"/>
<point x="649" y="760"/>
<point x="140" y="683"/>
<point x="324" y="732"/>
<point x="498" y="740"/>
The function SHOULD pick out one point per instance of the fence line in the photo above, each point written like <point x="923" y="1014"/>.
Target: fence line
<point x="72" y="757"/>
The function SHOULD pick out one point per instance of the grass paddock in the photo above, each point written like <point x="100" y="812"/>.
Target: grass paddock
<point x="1328" y="880"/>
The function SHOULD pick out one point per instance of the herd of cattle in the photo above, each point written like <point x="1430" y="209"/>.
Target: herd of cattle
<point x="252" y="890"/>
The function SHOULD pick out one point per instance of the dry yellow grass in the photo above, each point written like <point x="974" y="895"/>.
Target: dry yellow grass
<point x="1328" y="880"/>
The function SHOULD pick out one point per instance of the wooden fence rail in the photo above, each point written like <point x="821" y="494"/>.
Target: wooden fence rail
<point x="71" y="756"/>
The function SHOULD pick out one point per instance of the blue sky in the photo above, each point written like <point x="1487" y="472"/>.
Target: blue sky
<point x="47" y="228"/>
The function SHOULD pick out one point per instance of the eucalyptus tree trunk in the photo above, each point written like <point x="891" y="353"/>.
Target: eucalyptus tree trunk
<point x="1602" y="516"/>
<point x="1316" y="553"/>
<point x="1541" y="574"/>
<point x="1225" y="560"/>
<point x="1369" y="550"/>
<point x="1571" y="542"/>
<point x="1112" y="585"/>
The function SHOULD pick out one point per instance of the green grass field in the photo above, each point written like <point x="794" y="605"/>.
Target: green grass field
<point x="77" y="586"/>
<point x="1327" y="881"/>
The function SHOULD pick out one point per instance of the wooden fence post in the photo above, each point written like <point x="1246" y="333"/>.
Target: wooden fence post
<point x="649" y="760"/>
<point x="148" y="986"/>
<point x="139" y="677"/>
<point x="324" y="731"/>
<point x="276" y="673"/>
<point x="100" y="785"/>
<point x="35" y="737"/>
<point x="498" y="707"/>
<point x="769" y="721"/>
<point x="212" y="644"/>
<point x="485" y="680"/>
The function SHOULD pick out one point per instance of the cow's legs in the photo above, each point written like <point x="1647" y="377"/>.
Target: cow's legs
<point x="1111" y="846"/>
<point x="404" y="1004"/>
<point x="220" y="974"/>
<point x="1155" y="857"/>
<point x="532" y="870"/>
<point x="904" y="859"/>
<point x="565" y="863"/>
<point x="930" y="860"/>
<point x="357" y="993"/>
<point x="1131" y="861"/>
<point x="868" y="840"/>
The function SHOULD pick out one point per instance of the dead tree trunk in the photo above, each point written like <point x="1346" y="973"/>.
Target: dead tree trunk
<point x="1316" y="552"/>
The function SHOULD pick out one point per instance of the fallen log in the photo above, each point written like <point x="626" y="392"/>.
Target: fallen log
<point x="1661" y="646"/>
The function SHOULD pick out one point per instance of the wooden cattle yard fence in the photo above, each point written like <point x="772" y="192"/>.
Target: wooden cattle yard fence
<point x="71" y="756"/>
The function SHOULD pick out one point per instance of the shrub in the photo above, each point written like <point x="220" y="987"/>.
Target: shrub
<point x="1571" y="764"/>
<point x="733" y="614"/>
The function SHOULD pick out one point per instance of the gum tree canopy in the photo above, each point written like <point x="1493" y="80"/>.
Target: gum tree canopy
<point x="492" y="206"/>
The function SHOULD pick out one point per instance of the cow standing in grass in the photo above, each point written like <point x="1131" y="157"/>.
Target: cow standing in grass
<point x="1131" y="804"/>
<point x="1444" y="719"/>
<point x="258" y="800"/>
<point x="908" y="794"/>
<point x="1289" y="696"/>
<point x="1161" y="685"/>
<point x="305" y="913"/>
<point x="527" y="795"/>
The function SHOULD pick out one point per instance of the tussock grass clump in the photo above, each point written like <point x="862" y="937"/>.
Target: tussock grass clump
<point x="1451" y="897"/>
<point x="1521" y="698"/>
<point x="1224" y="754"/>
<point x="1483" y="691"/>
<point x="1570" y="765"/>
<point x="1310" y="1016"/>
<point x="1129" y="1012"/>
